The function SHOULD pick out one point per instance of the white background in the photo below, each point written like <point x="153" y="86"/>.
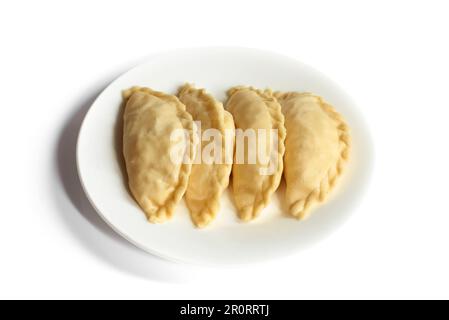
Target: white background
<point x="390" y="56"/>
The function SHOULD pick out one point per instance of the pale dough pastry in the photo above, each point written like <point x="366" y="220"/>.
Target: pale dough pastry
<point x="208" y="179"/>
<point x="255" y="109"/>
<point x="317" y="146"/>
<point x="156" y="182"/>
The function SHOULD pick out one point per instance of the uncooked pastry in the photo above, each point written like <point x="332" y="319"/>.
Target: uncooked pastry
<point x="208" y="179"/>
<point x="156" y="182"/>
<point x="256" y="109"/>
<point x="317" y="146"/>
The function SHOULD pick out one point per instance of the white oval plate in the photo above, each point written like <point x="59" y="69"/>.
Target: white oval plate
<point x="226" y="241"/>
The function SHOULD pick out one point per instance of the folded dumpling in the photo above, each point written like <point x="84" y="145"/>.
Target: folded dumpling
<point x="316" y="147"/>
<point x="260" y="134"/>
<point x="211" y="171"/>
<point x="157" y="175"/>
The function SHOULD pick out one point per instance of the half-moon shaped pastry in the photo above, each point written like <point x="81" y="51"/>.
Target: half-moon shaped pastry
<point x="209" y="176"/>
<point x="255" y="181"/>
<point x="316" y="148"/>
<point x="157" y="180"/>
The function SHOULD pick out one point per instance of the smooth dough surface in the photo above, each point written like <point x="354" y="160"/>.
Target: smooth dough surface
<point x="156" y="182"/>
<point x="208" y="179"/>
<point x="317" y="145"/>
<point x="255" y="109"/>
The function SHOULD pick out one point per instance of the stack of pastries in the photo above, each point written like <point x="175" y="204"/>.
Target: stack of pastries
<point x="312" y="146"/>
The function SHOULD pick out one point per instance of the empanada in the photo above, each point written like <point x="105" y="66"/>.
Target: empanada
<point x="316" y="147"/>
<point x="256" y="111"/>
<point x="156" y="181"/>
<point x="209" y="177"/>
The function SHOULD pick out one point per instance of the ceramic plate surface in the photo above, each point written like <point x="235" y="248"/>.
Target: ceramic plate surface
<point x="226" y="241"/>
